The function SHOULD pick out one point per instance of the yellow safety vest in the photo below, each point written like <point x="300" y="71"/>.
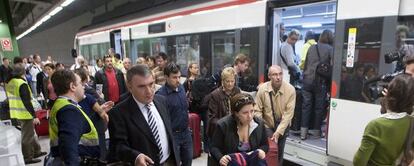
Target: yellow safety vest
<point x="17" y="108"/>
<point x="87" y="139"/>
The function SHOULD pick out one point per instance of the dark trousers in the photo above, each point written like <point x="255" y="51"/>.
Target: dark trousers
<point x="101" y="127"/>
<point x="204" y="119"/>
<point x="280" y="143"/>
<point x="185" y="146"/>
<point x="314" y="102"/>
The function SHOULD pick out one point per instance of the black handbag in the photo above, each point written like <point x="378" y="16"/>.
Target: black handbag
<point x="323" y="70"/>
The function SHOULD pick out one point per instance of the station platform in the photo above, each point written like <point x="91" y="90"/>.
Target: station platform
<point x="44" y="143"/>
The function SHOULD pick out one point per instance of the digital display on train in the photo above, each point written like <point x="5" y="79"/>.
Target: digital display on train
<point x="156" y="28"/>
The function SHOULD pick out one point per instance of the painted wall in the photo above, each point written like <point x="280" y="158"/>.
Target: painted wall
<point x="6" y="31"/>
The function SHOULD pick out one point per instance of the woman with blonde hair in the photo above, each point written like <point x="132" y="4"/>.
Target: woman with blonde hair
<point x="219" y="103"/>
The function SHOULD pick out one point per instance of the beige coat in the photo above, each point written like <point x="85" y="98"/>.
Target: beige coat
<point x="283" y="102"/>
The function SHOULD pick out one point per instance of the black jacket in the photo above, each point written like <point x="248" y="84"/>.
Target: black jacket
<point x="130" y="134"/>
<point x="100" y="78"/>
<point x="5" y="73"/>
<point x="226" y="140"/>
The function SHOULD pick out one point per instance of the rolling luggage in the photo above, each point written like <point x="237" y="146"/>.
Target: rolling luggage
<point x="43" y="128"/>
<point x="272" y="154"/>
<point x="194" y="123"/>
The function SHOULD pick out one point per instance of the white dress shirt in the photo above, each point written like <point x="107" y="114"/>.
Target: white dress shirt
<point x="162" y="131"/>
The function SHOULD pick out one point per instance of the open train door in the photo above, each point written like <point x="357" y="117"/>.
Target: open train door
<point x="116" y="42"/>
<point x="304" y="16"/>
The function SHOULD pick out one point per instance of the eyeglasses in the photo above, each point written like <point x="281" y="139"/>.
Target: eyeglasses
<point x="243" y="101"/>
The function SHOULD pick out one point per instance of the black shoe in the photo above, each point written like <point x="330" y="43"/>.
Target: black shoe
<point x="31" y="161"/>
<point x="39" y="154"/>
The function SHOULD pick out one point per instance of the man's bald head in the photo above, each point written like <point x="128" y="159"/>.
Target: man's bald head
<point x="276" y="76"/>
<point x="275" y="68"/>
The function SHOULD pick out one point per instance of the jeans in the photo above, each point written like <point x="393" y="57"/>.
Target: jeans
<point x="33" y="88"/>
<point x="185" y="146"/>
<point x="314" y="101"/>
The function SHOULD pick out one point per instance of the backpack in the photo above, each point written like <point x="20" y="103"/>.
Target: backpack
<point x="323" y="70"/>
<point x="200" y="88"/>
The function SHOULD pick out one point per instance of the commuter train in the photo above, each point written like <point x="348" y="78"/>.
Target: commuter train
<point x="212" y="32"/>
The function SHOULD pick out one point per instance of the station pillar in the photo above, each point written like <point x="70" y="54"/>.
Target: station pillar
<point x="8" y="43"/>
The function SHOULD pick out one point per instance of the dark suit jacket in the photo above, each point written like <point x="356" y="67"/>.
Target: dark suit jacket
<point x="130" y="134"/>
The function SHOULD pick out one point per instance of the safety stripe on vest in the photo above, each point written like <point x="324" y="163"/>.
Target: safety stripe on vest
<point x="17" y="109"/>
<point x="13" y="98"/>
<point x="84" y="142"/>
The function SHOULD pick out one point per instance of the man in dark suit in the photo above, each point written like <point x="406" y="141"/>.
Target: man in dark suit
<point x="140" y="127"/>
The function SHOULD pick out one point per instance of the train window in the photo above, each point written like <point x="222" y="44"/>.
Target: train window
<point x="404" y="37"/>
<point x="84" y="50"/>
<point x="125" y="46"/>
<point x="249" y="45"/>
<point x="94" y="52"/>
<point x="223" y="49"/>
<point x="366" y="62"/>
<point x="187" y="51"/>
<point x="158" y="45"/>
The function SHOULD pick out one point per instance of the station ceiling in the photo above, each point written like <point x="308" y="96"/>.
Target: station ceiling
<point x="25" y="13"/>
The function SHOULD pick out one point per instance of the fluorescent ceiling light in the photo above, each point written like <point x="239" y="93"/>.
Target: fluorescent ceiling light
<point x="45" y="18"/>
<point x="312" y="25"/>
<point x="1" y="21"/>
<point x="321" y="14"/>
<point x="294" y="16"/>
<point x="56" y="10"/>
<point x="66" y="3"/>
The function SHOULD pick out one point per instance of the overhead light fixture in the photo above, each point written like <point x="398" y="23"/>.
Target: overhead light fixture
<point x="66" y="3"/>
<point x="312" y="25"/>
<point x="1" y="21"/>
<point x="46" y="17"/>
<point x="56" y="10"/>
<point x="290" y="17"/>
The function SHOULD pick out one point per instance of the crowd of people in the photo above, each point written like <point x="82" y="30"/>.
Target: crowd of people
<point x="145" y="108"/>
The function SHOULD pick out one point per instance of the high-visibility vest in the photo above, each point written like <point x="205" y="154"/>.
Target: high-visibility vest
<point x="17" y="108"/>
<point x="87" y="139"/>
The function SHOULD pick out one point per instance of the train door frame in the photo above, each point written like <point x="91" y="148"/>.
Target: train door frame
<point x="295" y="151"/>
<point x="112" y="37"/>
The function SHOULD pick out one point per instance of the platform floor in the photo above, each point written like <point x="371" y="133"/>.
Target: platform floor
<point x="44" y="143"/>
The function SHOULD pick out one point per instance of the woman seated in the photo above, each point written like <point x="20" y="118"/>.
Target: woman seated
<point x="239" y="137"/>
<point x="384" y="138"/>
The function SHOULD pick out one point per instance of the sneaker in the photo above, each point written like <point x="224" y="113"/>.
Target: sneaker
<point x="31" y="161"/>
<point x="39" y="154"/>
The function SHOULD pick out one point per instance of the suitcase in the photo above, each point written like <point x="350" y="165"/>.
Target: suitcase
<point x="272" y="154"/>
<point x="194" y="124"/>
<point x="43" y="128"/>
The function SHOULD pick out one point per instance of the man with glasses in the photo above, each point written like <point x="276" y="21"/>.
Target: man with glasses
<point x="275" y="104"/>
<point x="288" y="59"/>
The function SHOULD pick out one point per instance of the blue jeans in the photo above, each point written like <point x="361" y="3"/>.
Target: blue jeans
<point x="185" y="146"/>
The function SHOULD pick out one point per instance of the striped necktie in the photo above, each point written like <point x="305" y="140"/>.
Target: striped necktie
<point x="154" y="129"/>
